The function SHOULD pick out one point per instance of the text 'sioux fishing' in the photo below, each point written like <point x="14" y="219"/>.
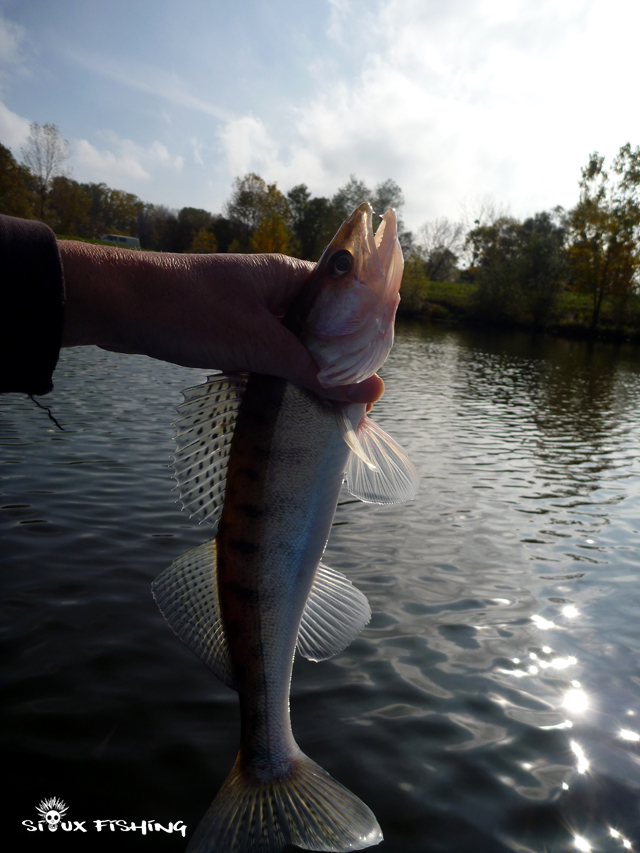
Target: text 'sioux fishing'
<point x="263" y="461"/>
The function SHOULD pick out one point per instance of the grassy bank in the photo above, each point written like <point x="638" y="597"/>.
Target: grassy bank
<point x="454" y="303"/>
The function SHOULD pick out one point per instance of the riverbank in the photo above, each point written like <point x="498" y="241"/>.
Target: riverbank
<point x="455" y="304"/>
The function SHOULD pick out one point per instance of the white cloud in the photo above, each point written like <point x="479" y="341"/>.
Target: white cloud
<point x="13" y="54"/>
<point x="14" y="129"/>
<point x="475" y="97"/>
<point x="248" y="146"/>
<point x="12" y="41"/>
<point x="128" y="161"/>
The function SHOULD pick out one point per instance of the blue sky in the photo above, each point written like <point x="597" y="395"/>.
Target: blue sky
<point x="455" y="100"/>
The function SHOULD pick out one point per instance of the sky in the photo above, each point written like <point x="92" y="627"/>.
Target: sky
<point x="458" y="101"/>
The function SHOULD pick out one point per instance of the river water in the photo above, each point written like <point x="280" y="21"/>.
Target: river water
<point x="492" y="704"/>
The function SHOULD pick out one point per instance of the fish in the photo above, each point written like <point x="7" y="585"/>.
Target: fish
<point x="263" y="461"/>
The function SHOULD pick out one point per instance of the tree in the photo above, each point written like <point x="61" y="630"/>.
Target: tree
<point x="387" y="194"/>
<point x="192" y="221"/>
<point x="272" y="235"/>
<point x="43" y="153"/>
<point x="520" y="267"/>
<point x="203" y="243"/>
<point x="312" y="220"/>
<point x="605" y="229"/>
<point x="252" y="201"/>
<point x="496" y="259"/>
<point x="543" y="263"/>
<point x="157" y="228"/>
<point x="68" y="207"/>
<point x="439" y="244"/>
<point x="15" y="192"/>
<point x="350" y="196"/>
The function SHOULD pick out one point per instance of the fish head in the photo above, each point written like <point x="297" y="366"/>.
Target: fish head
<point x="346" y="313"/>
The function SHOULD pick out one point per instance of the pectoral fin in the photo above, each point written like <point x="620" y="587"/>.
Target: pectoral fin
<point x="335" y="613"/>
<point x="378" y="469"/>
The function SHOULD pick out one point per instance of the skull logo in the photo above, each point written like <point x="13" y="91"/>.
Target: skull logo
<point x="52" y="810"/>
<point x="53" y="819"/>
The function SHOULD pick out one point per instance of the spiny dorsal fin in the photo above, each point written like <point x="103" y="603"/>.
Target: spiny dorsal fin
<point x="378" y="469"/>
<point x="335" y="613"/>
<point x="187" y="595"/>
<point x="204" y="430"/>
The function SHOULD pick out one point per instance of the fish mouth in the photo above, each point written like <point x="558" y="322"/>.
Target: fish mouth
<point x="356" y="235"/>
<point x="348" y="324"/>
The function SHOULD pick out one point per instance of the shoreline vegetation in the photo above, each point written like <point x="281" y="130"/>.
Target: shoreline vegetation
<point x="574" y="273"/>
<point x="455" y="304"/>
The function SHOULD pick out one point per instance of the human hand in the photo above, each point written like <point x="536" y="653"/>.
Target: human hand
<point x="210" y="311"/>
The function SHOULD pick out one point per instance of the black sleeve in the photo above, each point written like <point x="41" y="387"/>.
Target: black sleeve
<point x="31" y="305"/>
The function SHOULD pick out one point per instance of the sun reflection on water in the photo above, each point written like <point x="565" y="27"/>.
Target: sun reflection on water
<point x="576" y="700"/>
<point x="583" y="764"/>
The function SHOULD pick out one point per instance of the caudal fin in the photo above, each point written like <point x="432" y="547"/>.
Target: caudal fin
<point x="306" y="807"/>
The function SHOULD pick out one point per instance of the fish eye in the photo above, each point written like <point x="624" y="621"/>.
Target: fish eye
<point x="340" y="263"/>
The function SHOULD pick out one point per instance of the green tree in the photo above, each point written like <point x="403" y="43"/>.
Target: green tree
<point x="43" y="154"/>
<point x="272" y="235"/>
<point x="385" y="195"/>
<point x="605" y="229"/>
<point x="191" y="221"/>
<point x="520" y="267"/>
<point x="312" y="220"/>
<point x="203" y="243"/>
<point x="350" y="196"/>
<point x="112" y="210"/>
<point x="15" y="192"/>
<point x="68" y="207"/>
<point x="157" y="228"/>
<point x="255" y="203"/>
<point x="496" y="256"/>
<point x="543" y="264"/>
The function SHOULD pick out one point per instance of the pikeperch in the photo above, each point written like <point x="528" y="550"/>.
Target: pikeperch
<point x="263" y="461"/>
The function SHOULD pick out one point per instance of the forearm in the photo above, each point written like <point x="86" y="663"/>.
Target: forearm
<point x="217" y="311"/>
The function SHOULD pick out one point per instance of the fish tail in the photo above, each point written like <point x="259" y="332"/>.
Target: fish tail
<point x="305" y="807"/>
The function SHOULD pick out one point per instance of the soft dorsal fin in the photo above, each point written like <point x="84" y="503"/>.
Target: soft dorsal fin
<point x="378" y="469"/>
<point x="335" y="613"/>
<point x="204" y="430"/>
<point x="187" y="594"/>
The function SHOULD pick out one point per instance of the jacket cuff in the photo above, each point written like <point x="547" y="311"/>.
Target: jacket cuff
<point x="32" y="297"/>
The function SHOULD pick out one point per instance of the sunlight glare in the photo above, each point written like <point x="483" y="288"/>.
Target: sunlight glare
<point x="571" y="611"/>
<point x="627" y="734"/>
<point x="542" y="623"/>
<point x="578" y="751"/>
<point x="576" y="700"/>
<point x="582" y="843"/>
<point x="615" y="834"/>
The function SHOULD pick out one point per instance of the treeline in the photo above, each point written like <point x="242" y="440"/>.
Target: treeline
<point x="258" y="217"/>
<point x="517" y="270"/>
<point x="522" y="270"/>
